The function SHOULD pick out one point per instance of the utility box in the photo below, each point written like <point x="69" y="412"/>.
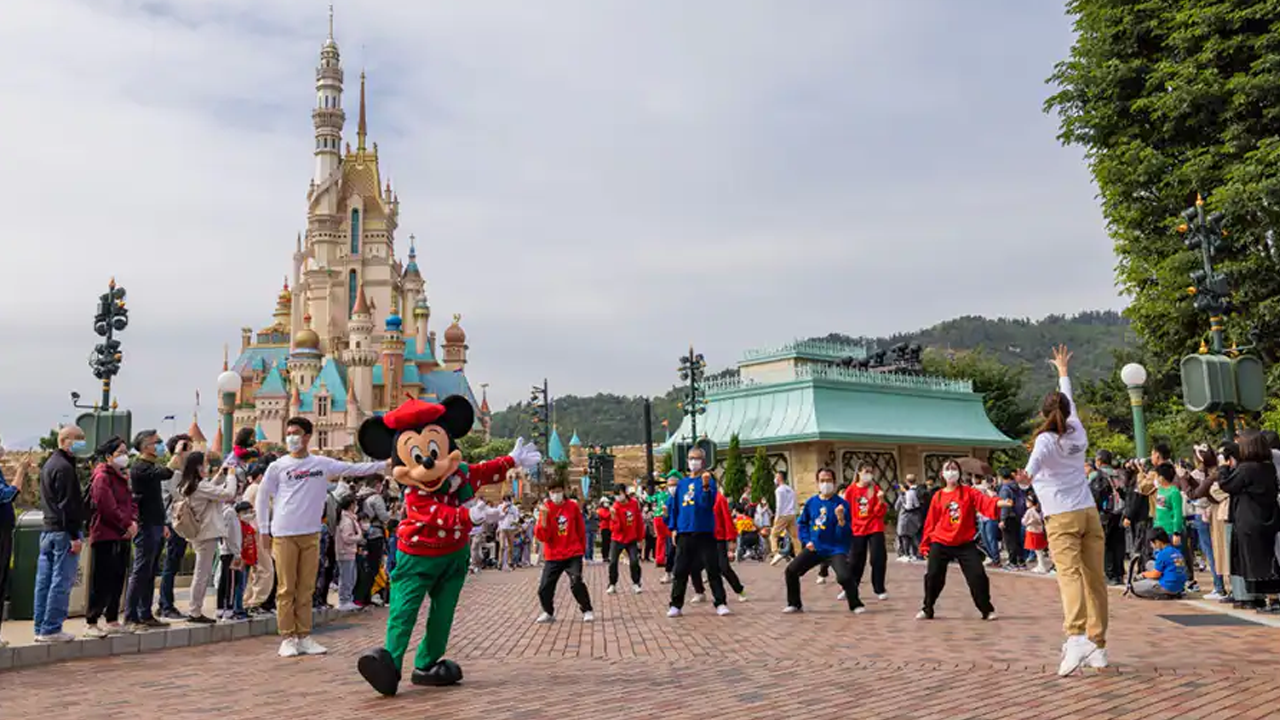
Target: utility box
<point x="100" y="425"/>
<point x="1251" y="383"/>
<point x="1208" y="383"/>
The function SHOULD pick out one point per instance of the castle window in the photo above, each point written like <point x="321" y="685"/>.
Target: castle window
<point x="322" y="407"/>
<point x="352" y="289"/>
<point x="355" y="232"/>
<point x="322" y="439"/>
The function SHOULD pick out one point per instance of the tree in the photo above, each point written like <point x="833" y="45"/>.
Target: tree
<point x="664" y="463"/>
<point x="761" y="477"/>
<point x="735" y="471"/>
<point x="561" y="472"/>
<point x="1171" y="99"/>
<point x="1000" y="386"/>
<point x="476" y="450"/>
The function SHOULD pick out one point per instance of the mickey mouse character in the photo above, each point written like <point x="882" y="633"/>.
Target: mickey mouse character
<point x="420" y="438"/>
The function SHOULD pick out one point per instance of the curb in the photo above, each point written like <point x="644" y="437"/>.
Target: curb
<point x="27" y="656"/>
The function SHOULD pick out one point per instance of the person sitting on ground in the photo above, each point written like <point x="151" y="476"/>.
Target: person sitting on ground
<point x="1166" y="575"/>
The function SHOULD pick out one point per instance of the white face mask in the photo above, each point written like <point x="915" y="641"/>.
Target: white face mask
<point x="695" y="465"/>
<point x="557" y="498"/>
<point x="867" y="477"/>
<point x="120" y="461"/>
<point x="293" y="442"/>
<point x="826" y="488"/>
<point x="620" y="497"/>
<point x="951" y="476"/>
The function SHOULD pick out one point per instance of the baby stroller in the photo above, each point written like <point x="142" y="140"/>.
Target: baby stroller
<point x="1137" y="564"/>
<point x="750" y="546"/>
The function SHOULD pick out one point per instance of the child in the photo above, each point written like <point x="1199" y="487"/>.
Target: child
<point x="1166" y="575"/>
<point x="1036" y="540"/>
<point x="824" y="536"/>
<point x="248" y="557"/>
<point x="562" y="532"/>
<point x="230" y="546"/>
<point x="346" y="544"/>
<point x="949" y="531"/>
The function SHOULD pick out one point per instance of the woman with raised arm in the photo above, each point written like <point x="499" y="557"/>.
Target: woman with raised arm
<point x="1076" y="539"/>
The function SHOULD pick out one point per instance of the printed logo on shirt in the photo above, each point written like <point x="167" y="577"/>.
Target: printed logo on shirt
<point x="688" y="497"/>
<point x="953" y="512"/>
<point x="562" y="525"/>
<point x="1075" y="449"/>
<point x="304" y="474"/>
<point x="626" y="517"/>
<point x="864" y="506"/>
<point x="821" y="522"/>
<point x="1162" y="501"/>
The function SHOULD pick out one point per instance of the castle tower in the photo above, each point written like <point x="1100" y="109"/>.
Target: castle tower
<point x="354" y="416"/>
<point x="284" y="309"/>
<point x="486" y="415"/>
<point x="328" y="116"/>
<point x="421" y="318"/>
<point x="392" y="357"/>
<point x="295" y="402"/>
<point x="305" y="359"/>
<point x="455" y="345"/>
<point x="411" y="285"/>
<point x="359" y="357"/>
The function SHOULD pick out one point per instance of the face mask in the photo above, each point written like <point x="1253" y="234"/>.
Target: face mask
<point x="293" y="442"/>
<point x="159" y="449"/>
<point x="867" y="477"/>
<point x="78" y="447"/>
<point x="951" y="476"/>
<point x="671" y="488"/>
<point x="120" y="461"/>
<point x="826" y="488"/>
<point x="620" y="497"/>
<point x="557" y="498"/>
<point x="695" y="466"/>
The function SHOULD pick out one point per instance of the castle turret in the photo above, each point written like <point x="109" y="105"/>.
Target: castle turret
<point x="354" y="415"/>
<point x="328" y="116"/>
<point x="411" y="285"/>
<point x="421" y="319"/>
<point x="295" y="401"/>
<point x="360" y="357"/>
<point x="392" y="356"/>
<point x="305" y="359"/>
<point x="486" y="415"/>
<point x="455" y="345"/>
<point x="284" y="309"/>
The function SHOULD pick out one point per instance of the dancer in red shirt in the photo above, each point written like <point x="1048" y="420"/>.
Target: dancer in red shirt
<point x="562" y="533"/>
<point x="949" y="531"/>
<point x="627" y="530"/>
<point x="867" y="508"/>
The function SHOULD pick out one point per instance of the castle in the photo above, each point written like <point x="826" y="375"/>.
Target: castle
<point x="351" y="336"/>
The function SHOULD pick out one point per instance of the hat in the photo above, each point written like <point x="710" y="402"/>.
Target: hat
<point x="413" y="414"/>
<point x="673" y="474"/>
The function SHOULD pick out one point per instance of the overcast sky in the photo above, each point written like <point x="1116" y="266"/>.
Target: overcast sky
<point x="593" y="184"/>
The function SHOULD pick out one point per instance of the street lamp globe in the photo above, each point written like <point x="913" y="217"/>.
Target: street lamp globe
<point x="229" y="382"/>
<point x="1133" y="375"/>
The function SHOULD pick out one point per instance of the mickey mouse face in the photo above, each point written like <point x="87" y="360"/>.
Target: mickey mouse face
<point x="421" y="438"/>
<point x="425" y="460"/>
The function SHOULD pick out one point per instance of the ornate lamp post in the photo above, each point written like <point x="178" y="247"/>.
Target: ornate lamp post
<point x="112" y="317"/>
<point x="692" y="370"/>
<point x="540" y="414"/>
<point x="1134" y="377"/>
<point x="228" y="386"/>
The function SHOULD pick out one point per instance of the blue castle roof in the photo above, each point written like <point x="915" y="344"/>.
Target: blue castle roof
<point x="555" y="448"/>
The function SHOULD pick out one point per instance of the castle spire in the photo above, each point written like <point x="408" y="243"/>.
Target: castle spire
<point x="330" y="21"/>
<point x="327" y="116"/>
<point x="361" y="306"/>
<point x="362" y="128"/>
<point x="225" y="353"/>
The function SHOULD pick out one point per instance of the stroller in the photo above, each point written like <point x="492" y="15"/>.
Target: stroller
<point x="750" y="546"/>
<point x="1137" y="564"/>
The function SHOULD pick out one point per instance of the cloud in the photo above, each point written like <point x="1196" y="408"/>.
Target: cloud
<point x="593" y="185"/>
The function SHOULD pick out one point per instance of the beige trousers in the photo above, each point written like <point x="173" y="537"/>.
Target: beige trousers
<point x="206" y="551"/>
<point x="260" y="576"/>
<point x="1077" y="543"/>
<point x="297" y="559"/>
<point x="785" y="524"/>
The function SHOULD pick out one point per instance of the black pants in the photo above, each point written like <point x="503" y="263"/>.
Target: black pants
<point x="726" y="568"/>
<point x="374" y="549"/>
<point x="869" y="545"/>
<point x="1114" y="547"/>
<point x="605" y="537"/>
<point x="670" y="556"/>
<point x="551" y="572"/>
<point x="692" y="548"/>
<point x="633" y="554"/>
<point x="109" y="567"/>
<point x="147" y="545"/>
<point x="6" y="552"/>
<point x="1012" y="535"/>
<point x="808" y="560"/>
<point x="970" y="559"/>
<point x="650" y="545"/>
<point x="909" y="546"/>
<point x="226" y="583"/>
<point x="175" y="549"/>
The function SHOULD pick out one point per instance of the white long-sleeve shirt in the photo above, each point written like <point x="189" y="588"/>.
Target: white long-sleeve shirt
<point x="784" y="499"/>
<point x="298" y="487"/>
<point x="1057" y="462"/>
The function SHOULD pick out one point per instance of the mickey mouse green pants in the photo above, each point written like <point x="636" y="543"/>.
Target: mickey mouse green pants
<point x="415" y="577"/>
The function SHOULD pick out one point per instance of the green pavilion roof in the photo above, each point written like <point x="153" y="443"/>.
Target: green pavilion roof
<point x="826" y="402"/>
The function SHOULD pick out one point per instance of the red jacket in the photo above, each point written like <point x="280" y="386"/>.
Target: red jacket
<point x="436" y="524"/>
<point x="561" y="531"/>
<point x="953" y="516"/>
<point x="867" y="506"/>
<point x="248" y="544"/>
<point x="663" y="534"/>
<point x="603" y="514"/>
<point x="113" y="508"/>
<point x="725" y="529"/>
<point x="626" y="521"/>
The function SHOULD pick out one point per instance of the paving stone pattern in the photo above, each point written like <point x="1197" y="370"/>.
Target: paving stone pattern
<point x="635" y="663"/>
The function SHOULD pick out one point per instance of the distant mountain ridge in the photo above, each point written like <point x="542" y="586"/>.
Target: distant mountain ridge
<point x="1093" y="337"/>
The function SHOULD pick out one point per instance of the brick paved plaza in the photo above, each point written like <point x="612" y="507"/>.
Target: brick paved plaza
<point x="635" y="663"/>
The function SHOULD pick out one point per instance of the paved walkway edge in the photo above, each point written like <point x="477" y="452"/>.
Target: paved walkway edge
<point x="14" y="658"/>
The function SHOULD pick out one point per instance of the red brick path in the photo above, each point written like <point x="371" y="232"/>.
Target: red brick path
<point x="635" y="663"/>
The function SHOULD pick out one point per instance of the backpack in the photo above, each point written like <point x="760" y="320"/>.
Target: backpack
<point x="183" y="518"/>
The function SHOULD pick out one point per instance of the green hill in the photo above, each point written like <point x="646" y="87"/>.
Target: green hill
<point x="1093" y="337"/>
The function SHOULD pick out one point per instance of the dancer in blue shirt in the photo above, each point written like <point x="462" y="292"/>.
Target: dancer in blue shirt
<point x="691" y="515"/>
<point x="825" y="537"/>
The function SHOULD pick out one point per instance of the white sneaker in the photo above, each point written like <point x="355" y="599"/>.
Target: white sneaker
<point x="842" y="595"/>
<point x="882" y="596"/>
<point x="588" y="616"/>
<point x="637" y="589"/>
<point x="775" y="560"/>
<point x="307" y="646"/>
<point x="60" y="637"/>
<point x="674" y="612"/>
<point x="987" y="562"/>
<point x="545" y="618"/>
<point x="611" y="590"/>
<point x="116" y="628"/>
<point x="666" y="579"/>
<point x="93" y="632"/>
<point x="1075" y="651"/>
<point x="723" y="610"/>
<point x="822" y="580"/>
<point x="1097" y="659"/>
<point x="1215" y="595"/>
<point x="990" y="616"/>
<point x="348" y="607"/>
<point x="699" y="598"/>
<point x="288" y="647"/>
<point x="1038" y="570"/>
<point x="791" y="610"/>
<point x="922" y="615"/>
<point x="903" y="559"/>
<point x="742" y="597"/>
<point x="860" y="609"/>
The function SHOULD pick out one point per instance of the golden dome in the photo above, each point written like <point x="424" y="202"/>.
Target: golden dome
<point x="306" y="338"/>
<point x="454" y="334"/>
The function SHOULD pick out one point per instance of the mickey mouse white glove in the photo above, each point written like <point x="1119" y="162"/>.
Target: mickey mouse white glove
<point x="478" y="512"/>
<point x="526" y="455"/>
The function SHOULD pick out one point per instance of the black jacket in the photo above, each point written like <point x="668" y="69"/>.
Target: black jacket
<point x="60" y="495"/>
<point x="1255" y="519"/>
<point x="146" y="479"/>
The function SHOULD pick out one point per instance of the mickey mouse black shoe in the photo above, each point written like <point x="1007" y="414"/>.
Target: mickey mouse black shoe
<point x="439" y="674"/>
<point x="379" y="669"/>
